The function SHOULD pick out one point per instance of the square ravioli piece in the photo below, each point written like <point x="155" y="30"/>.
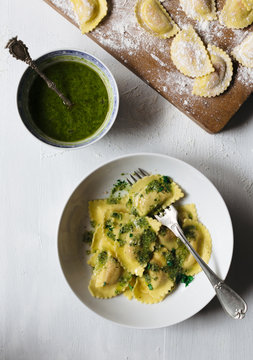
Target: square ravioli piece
<point x="134" y="239"/>
<point x="152" y="193"/>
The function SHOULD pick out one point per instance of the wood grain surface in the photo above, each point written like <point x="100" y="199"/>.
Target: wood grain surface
<point x="149" y="58"/>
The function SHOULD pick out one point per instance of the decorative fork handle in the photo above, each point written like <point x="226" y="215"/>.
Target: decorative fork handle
<point x="231" y="302"/>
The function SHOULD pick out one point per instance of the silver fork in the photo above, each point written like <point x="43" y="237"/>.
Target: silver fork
<point x="231" y="302"/>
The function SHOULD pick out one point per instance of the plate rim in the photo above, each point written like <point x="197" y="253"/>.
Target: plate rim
<point x="133" y="155"/>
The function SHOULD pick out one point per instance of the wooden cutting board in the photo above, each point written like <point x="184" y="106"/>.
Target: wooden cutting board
<point x="149" y="58"/>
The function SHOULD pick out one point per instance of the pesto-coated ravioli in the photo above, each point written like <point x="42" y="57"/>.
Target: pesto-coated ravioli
<point x="189" y="54"/>
<point x="90" y="13"/>
<point x="218" y="81"/>
<point x="109" y="278"/>
<point x="98" y="208"/>
<point x="199" y="9"/>
<point x="132" y="253"/>
<point x="236" y="14"/>
<point x="244" y="52"/>
<point x="153" y="192"/>
<point x="156" y="283"/>
<point x="153" y="17"/>
<point x="134" y="240"/>
<point x="200" y="239"/>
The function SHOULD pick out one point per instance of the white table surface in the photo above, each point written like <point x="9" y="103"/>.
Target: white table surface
<point x="40" y="317"/>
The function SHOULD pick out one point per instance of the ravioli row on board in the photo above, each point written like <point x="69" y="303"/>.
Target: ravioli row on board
<point x="132" y="253"/>
<point x="154" y="18"/>
<point x="210" y="66"/>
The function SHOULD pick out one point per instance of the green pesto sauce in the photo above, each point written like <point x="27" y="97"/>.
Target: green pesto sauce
<point x="102" y="258"/>
<point x="163" y="184"/>
<point x="116" y="192"/>
<point x="83" y="87"/>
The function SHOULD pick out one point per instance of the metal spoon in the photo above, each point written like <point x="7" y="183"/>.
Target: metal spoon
<point x="20" y="51"/>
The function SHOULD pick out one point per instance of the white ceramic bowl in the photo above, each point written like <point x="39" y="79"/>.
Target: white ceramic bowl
<point x="76" y="56"/>
<point x="184" y="301"/>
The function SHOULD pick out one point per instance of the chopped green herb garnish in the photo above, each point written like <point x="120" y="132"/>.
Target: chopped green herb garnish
<point x="130" y="287"/>
<point x="154" y="267"/>
<point x="121" y="242"/>
<point x="116" y="215"/>
<point x="117" y="292"/>
<point x="142" y="222"/>
<point x="147" y="277"/>
<point x="163" y="230"/>
<point x="150" y="287"/>
<point x="189" y="231"/>
<point x="185" y="279"/>
<point x="115" y="195"/>
<point x="134" y="211"/>
<point x="131" y="235"/>
<point x="119" y="186"/>
<point x="104" y="283"/>
<point x="146" y="239"/>
<point x="93" y="223"/>
<point x="109" y="227"/>
<point x="163" y="184"/>
<point x="126" y="228"/>
<point x="102" y="257"/>
<point x="87" y="236"/>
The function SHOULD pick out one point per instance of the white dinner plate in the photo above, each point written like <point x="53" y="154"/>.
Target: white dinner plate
<point x="184" y="301"/>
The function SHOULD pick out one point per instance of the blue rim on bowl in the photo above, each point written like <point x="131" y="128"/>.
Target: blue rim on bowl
<point x="68" y="55"/>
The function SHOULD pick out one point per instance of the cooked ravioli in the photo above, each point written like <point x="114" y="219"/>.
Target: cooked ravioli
<point x="218" y="81"/>
<point x="129" y="290"/>
<point x="244" y="52"/>
<point x="189" y="54"/>
<point x="156" y="283"/>
<point x="186" y="212"/>
<point x="200" y="239"/>
<point x="109" y="278"/>
<point x="136" y="255"/>
<point x="153" y="192"/>
<point x="134" y="241"/>
<point x="166" y="237"/>
<point x="199" y="9"/>
<point x="98" y="208"/>
<point x="153" y="17"/>
<point x="236" y="14"/>
<point x="90" y="13"/>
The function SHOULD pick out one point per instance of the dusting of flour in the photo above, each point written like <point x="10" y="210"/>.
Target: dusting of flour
<point x="125" y="38"/>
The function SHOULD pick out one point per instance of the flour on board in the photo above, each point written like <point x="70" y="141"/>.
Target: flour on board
<point x="122" y="39"/>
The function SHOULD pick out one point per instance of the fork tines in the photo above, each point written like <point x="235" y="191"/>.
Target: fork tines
<point x="140" y="173"/>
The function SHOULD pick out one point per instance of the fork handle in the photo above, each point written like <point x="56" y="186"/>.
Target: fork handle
<point x="231" y="302"/>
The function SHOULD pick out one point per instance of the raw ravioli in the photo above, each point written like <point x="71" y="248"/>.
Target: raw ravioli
<point x="199" y="9"/>
<point x="90" y="13"/>
<point x="189" y="54"/>
<point x="235" y="14"/>
<point x="153" y="17"/>
<point x="244" y="52"/>
<point x="218" y="81"/>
